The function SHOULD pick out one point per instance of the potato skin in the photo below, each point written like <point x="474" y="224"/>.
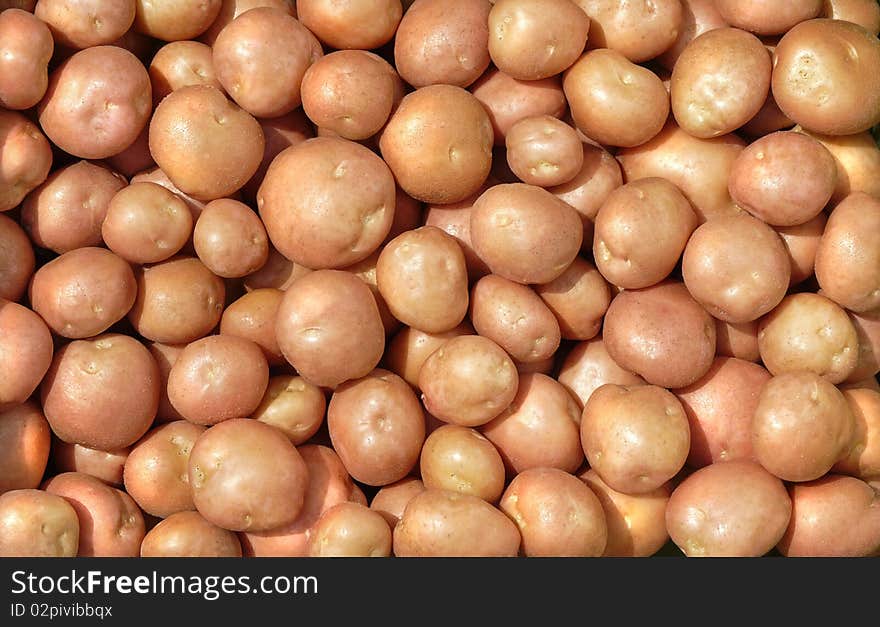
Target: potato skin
<point x="186" y="19"/>
<point x="34" y="523"/>
<point x="25" y="353"/>
<point x="17" y="259"/>
<point x="437" y="523"/>
<point x="579" y="298"/>
<point x="26" y="158"/>
<point x="188" y="534"/>
<point x="588" y="366"/>
<point x="26" y="438"/>
<point x="391" y="500"/>
<point x="462" y="460"/>
<point x="362" y="24"/>
<point x="26" y="49"/>
<point x="863" y="460"/>
<point x="640" y="31"/>
<point x="767" y="18"/>
<point x="350" y="530"/>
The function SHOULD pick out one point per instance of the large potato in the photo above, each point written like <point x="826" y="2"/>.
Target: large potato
<point x="26" y="46"/>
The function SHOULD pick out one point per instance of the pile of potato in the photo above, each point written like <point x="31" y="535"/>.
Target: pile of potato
<point x="439" y="278"/>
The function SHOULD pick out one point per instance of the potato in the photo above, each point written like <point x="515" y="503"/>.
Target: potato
<point x="858" y="163"/>
<point x="588" y="366"/>
<point x="438" y="144"/>
<point x="365" y="270"/>
<point x="350" y="530"/>
<point x="736" y="267"/>
<point x="260" y="60"/>
<point x="294" y="406"/>
<point x="826" y="76"/>
<point x="636" y="523"/>
<point x="698" y="167"/>
<point x="188" y="534"/>
<point x="17" y="260"/>
<point x="579" y="298"/>
<point x="640" y="31"/>
<point x="410" y="348"/>
<point x="391" y="500"/>
<point x="801" y="427"/>
<point x="768" y="119"/>
<point x="253" y="318"/>
<point x="728" y="509"/>
<point x="25" y="353"/>
<point x="25" y="51"/>
<point x="97" y="103"/>
<point x="181" y="64"/>
<point x="230" y="239"/>
<point x="848" y="258"/>
<point x="614" y="101"/>
<point x="327" y="203"/>
<point x="738" y="340"/>
<point x="539" y="429"/>
<point x="660" y="333"/>
<point x="74" y="391"/>
<point x="524" y="233"/>
<point x="767" y="18"/>
<point x="155" y="473"/>
<point x="443" y="42"/>
<point x="508" y="100"/>
<point x="231" y="9"/>
<point x="377" y="427"/>
<point x="863" y="460"/>
<point x="36" y="524"/>
<point x="108" y="466"/>
<point x="185" y="19"/>
<point x="157" y="176"/>
<point x="865" y="13"/>
<point x="278" y="272"/>
<point x="25" y="439"/>
<point x="178" y="301"/>
<point x="544" y="151"/>
<point x="247" y="476"/>
<point x="459" y="459"/>
<point x="646" y="210"/>
<point x="86" y="23"/>
<point x="719" y="408"/>
<point x="363" y="24"/>
<point x="697" y="17"/>
<point x="329" y="328"/>
<point x="25" y="158"/>
<point x="437" y="523"/>
<point x="833" y="515"/>
<point x="532" y="40"/>
<point x="110" y="523"/>
<point x="146" y="223"/>
<point x="165" y="355"/>
<point x="802" y="243"/>
<point x="190" y="134"/>
<point x="455" y="220"/>
<point x="468" y="381"/>
<point x="867" y="327"/>
<point x="279" y="133"/>
<point x="784" y="178"/>
<point x="809" y="332"/>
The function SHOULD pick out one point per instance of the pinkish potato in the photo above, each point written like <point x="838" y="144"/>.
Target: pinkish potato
<point x="863" y="460"/>
<point x="67" y="211"/>
<point x="253" y="317"/>
<point x="188" y="534"/>
<point x="183" y="19"/>
<point x="230" y="239"/>
<point x="802" y="244"/>
<point x="410" y="348"/>
<point x="539" y="429"/>
<point x="738" y="340"/>
<point x="361" y="24"/>
<point x="638" y="30"/>
<point x="767" y="18"/>
<point x="25" y="440"/>
<point x="728" y="509"/>
<point x="25" y="353"/>
<point x="231" y="9"/>
<point x="25" y="158"/>
<point x="165" y="356"/>
<point x="698" y="17"/>
<point x="636" y="523"/>
<point x="86" y="23"/>
<point x="365" y="270"/>
<point x="579" y="298"/>
<point x="719" y="408"/>
<point x="461" y="460"/>
<point x="588" y="366"/>
<point x="350" y="530"/>
<point x="17" y="259"/>
<point x="768" y="119"/>
<point x="294" y="406"/>
<point x="107" y="466"/>
<point x="181" y="64"/>
<point x="865" y="13"/>
<point x="157" y="176"/>
<point x="36" y="524"/>
<point x="110" y="523"/>
<point x="97" y="103"/>
<point x="544" y="151"/>
<point x="391" y="500"/>
<point x="26" y="46"/>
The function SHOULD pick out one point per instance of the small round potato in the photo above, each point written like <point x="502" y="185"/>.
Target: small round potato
<point x="809" y="332"/>
<point x="329" y="328"/>
<point x="108" y="466"/>
<point x="531" y="40"/>
<point x="801" y="427"/>
<point x="697" y="17"/>
<point x="719" y="82"/>
<point x="719" y="408"/>
<point x="736" y="267"/>
<point x="110" y="523"/>
<point x="188" y="534"/>
<point x="190" y="134"/>
<point x="294" y="406"/>
<point x="588" y="366"/>
<point x="360" y="24"/>
<point x="438" y="144"/>
<point x="636" y="438"/>
<point x="437" y="523"/>
<point x="253" y="317"/>
<point x="539" y="429"/>
<point x="834" y="516"/>
<point x="767" y="18"/>
<point x="327" y="202"/>
<point x="660" y="333"/>
<point x="246" y="476"/>
<point x="230" y="239"/>
<point x="155" y="473"/>
<point x="443" y="42"/>
<point x="784" y="178"/>
<point x="826" y="76"/>
<point x="17" y="259"/>
<point x="34" y="523"/>
<point x="26" y="46"/>
<point x="641" y="231"/>
<point x="579" y="298"/>
<point x="558" y="515"/>
<point x="25" y="160"/>
<point x="544" y="151"/>
<point x="848" y="258"/>
<point x="865" y="13"/>
<point x="181" y="64"/>
<point x="183" y="19"/>
<point x="728" y="509"/>
<point x="524" y="233"/>
<point x="461" y="460"/>
<point x="636" y="523"/>
<point x="25" y="353"/>
<point x="802" y="244"/>
<point x="638" y="30"/>
<point x="391" y="500"/>
<point x="350" y="530"/>
<point x="614" y="101"/>
<point x="508" y="100"/>
<point x="97" y="103"/>
<point x="74" y="391"/>
<point x="85" y="23"/>
<point x="377" y="427"/>
<point x="468" y="381"/>
<point x="410" y="348"/>
<point x="25" y="440"/>
<point x="863" y="460"/>
<point x="178" y="301"/>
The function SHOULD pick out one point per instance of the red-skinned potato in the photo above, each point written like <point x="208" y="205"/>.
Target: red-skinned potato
<point x="25" y="353"/>
<point x="698" y="17"/>
<point x="253" y="317"/>
<point x="36" y="524"/>
<point x="188" y="534"/>
<point x="363" y="24"/>
<point x="868" y="330"/>
<point x="802" y="243"/>
<point x="181" y="64"/>
<point x="25" y="438"/>
<point x="410" y="348"/>
<point x="230" y="239"/>
<point x="17" y="259"/>
<point x="185" y="19"/>
<point x="455" y="219"/>
<point x="86" y="23"/>
<point x="108" y="466"/>
<point x="231" y="9"/>
<point x="640" y="31"/>
<point x="544" y="151"/>
<point x="279" y="133"/>
<point x="25" y="51"/>
<point x="165" y="356"/>
<point x="858" y="163"/>
<point x="738" y="340"/>
<point x="25" y="160"/>
<point x="278" y="272"/>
